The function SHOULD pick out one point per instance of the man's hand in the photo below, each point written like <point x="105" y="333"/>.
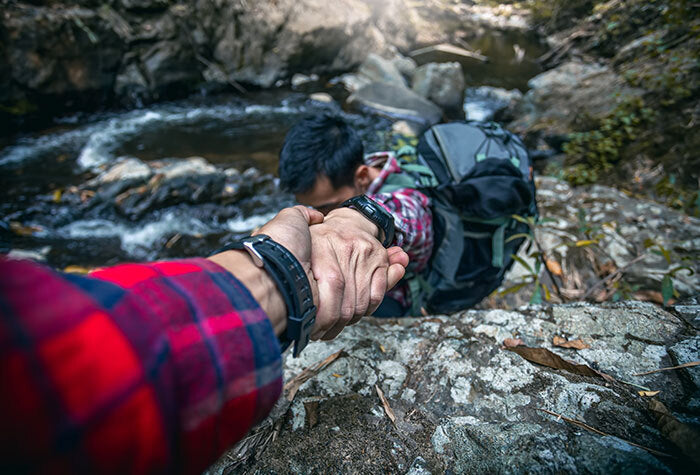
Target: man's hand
<point x="352" y="269"/>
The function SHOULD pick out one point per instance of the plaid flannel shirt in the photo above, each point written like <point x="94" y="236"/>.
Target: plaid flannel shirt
<point x="412" y="217"/>
<point x="138" y="368"/>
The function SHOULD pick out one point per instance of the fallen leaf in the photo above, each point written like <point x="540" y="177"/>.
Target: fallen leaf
<point x="653" y="296"/>
<point x="381" y="347"/>
<point x="22" y="230"/>
<point x="681" y="366"/>
<point x="545" y="357"/>
<point x="293" y="384"/>
<point x="648" y="393"/>
<point x="512" y="342"/>
<point x="674" y="430"/>
<point x="337" y="375"/>
<point x="554" y="267"/>
<point x="600" y="432"/>
<point x="57" y="196"/>
<point x="171" y="242"/>
<point x="385" y="403"/>
<point x="573" y="344"/>
<point x="77" y="270"/>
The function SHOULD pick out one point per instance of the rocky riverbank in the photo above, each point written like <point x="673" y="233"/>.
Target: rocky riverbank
<point x="461" y="397"/>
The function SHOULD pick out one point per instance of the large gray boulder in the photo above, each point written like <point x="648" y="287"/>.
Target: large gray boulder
<point x="378" y="69"/>
<point x="465" y="404"/>
<point x="442" y="83"/>
<point x="571" y="91"/>
<point x="396" y="102"/>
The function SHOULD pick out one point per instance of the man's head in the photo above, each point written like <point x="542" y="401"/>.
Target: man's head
<point x="321" y="163"/>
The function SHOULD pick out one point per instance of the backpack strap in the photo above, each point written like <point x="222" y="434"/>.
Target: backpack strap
<point x="497" y="239"/>
<point x="416" y="176"/>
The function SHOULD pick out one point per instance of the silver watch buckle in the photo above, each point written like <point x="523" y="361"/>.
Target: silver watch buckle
<point x="249" y="245"/>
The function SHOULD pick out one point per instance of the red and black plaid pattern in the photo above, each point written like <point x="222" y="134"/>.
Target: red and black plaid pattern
<point x="137" y="368"/>
<point x="412" y="217"/>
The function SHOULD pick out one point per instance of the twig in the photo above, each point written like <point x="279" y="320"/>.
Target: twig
<point x="684" y="365"/>
<point x="543" y="256"/>
<point x="387" y="408"/>
<point x="600" y="432"/>
<point x="293" y="385"/>
<point x="614" y="275"/>
<point x="643" y="388"/>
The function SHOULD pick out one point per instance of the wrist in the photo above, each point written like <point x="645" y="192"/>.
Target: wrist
<point x="259" y="283"/>
<point x="358" y="220"/>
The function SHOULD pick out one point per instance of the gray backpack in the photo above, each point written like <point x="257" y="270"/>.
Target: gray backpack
<point x="478" y="176"/>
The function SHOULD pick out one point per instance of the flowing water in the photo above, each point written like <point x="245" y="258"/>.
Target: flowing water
<point x="43" y="174"/>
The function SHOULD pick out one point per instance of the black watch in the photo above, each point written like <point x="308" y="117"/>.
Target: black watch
<point x="292" y="282"/>
<point x="375" y="213"/>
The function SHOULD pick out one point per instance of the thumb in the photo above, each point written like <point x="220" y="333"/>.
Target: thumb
<point x="395" y="273"/>
<point x="311" y="215"/>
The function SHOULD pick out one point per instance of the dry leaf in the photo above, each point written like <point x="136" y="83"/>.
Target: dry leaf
<point x="337" y="375"/>
<point x="600" y="432"/>
<point x="545" y="357"/>
<point x="573" y="344"/>
<point x="385" y="403"/>
<point x="311" y="409"/>
<point x="22" y="230"/>
<point x="653" y="296"/>
<point x="381" y="347"/>
<point x="680" y="434"/>
<point x="293" y="384"/>
<point x="648" y="393"/>
<point x="680" y="366"/>
<point x="512" y="342"/>
<point x="57" y="196"/>
<point x="554" y="267"/>
<point x="77" y="270"/>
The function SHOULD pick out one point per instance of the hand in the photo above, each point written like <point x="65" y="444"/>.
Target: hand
<point x="352" y="269"/>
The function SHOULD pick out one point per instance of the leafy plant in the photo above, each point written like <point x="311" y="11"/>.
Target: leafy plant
<point x="668" y="290"/>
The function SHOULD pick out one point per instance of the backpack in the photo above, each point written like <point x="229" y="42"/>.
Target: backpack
<point x="477" y="175"/>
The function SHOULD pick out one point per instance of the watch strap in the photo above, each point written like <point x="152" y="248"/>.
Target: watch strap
<point x="375" y="213"/>
<point x="290" y="278"/>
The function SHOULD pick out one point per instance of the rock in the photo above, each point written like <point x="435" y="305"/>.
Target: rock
<point x="572" y="90"/>
<point x="442" y="83"/>
<point x="485" y="102"/>
<point x="127" y="169"/>
<point x="378" y="69"/>
<point x="322" y="97"/>
<point x="405" y="128"/>
<point x="169" y="64"/>
<point x="299" y="80"/>
<point x="464" y="404"/>
<point x="406" y="66"/>
<point x="620" y="225"/>
<point x="352" y="82"/>
<point x="396" y="102"/>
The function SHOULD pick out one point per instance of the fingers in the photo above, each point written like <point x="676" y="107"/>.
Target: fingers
<point x="377" y="289"/>
<point x="395" y="274"/>
<point x="397" y="256"/>
<point x="331" y="288"/>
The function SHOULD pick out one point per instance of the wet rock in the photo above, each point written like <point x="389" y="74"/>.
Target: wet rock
<point x="396" y="102"/>
<point x="571" y="91"/>
<point x="351" y="81"/>
<point x="299" y="80"/>
<point x="128" y="169"/>
<point x="485" y="102"/>
<point x="144" y="4"/>
<point x="442" y="83"/>
<point x="321" y="97"/>
<point x="378" y="69"/>
<point x="406" y="66"/>
<point x="465" y="404"/>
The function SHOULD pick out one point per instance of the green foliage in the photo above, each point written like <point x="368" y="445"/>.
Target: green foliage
<point x="595" y="152"/>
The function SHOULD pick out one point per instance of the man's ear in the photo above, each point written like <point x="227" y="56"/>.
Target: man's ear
<point x="362" y="178"/>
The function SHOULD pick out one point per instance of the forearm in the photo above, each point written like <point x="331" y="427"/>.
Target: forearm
<point x="165" y="365"/>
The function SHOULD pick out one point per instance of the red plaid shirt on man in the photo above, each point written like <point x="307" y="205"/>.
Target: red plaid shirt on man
<point x="412" y="217"/>
<point x="138" y="368"/>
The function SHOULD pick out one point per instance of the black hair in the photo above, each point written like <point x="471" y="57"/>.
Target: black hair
<point x="321" y="144"/>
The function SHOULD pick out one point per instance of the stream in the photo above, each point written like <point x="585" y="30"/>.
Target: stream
<point x="54" y="206"/>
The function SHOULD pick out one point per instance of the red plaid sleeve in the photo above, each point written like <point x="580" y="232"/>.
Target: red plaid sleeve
<point x="137" y="368"/>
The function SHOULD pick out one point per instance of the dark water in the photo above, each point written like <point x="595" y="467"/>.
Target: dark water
<point x="228" y="131"/>
<point x="504" y="68"/>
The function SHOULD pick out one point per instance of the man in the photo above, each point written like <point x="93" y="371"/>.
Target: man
<point x="160" y="367"/>
<point x="322" y="162"/>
